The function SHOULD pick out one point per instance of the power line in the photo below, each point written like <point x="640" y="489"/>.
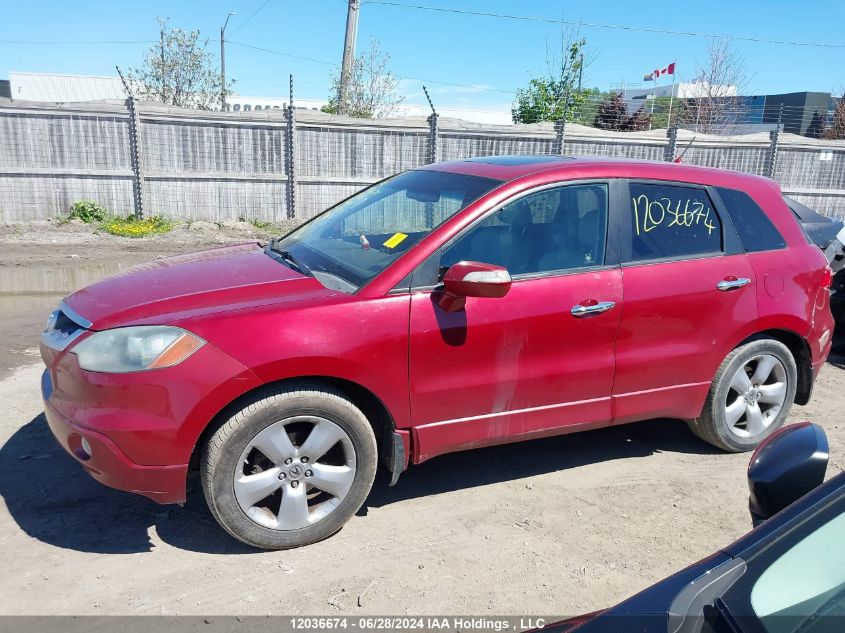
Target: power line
<point x="328" y="63"/>
<point x="252" y="15"/>
<point x="619" y="27"/>
<point x="283" y="54"/>
<point x="61" y="42"/>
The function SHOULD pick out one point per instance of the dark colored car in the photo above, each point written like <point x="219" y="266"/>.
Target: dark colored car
<point x="459" y="305"/>
<point x="837" y="297"/>
<point x="785" y="576"/>
<point x="829" y="235"/>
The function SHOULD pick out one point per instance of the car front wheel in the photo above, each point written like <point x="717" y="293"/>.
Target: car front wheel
<point x="291" y="468"/>
<point x="750" y="396"/>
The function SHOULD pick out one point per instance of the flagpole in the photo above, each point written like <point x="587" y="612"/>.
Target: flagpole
<point x="653" y="97"/>
<point x="671" y="95"/>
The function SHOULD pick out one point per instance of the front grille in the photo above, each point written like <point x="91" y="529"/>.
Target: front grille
<point x="64" y="324"/>
<point x="62" y="329"/>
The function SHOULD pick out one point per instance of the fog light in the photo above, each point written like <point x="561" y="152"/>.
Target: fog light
<point x="86" y="448"/>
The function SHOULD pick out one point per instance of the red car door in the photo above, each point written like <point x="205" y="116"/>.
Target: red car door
<point x="689" y="291"/>
<point x="538" y="361"/>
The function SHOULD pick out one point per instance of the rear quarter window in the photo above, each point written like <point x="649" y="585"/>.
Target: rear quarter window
<point x="756" y="231"/>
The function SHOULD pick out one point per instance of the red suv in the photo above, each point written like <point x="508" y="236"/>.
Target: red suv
<point x="458" y="305"/>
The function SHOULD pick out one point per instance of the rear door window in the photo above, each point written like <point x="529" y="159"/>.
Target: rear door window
<point x="670" y="221"/>
<point x="755" y="229"/>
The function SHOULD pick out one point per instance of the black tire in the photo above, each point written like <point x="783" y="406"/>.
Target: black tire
<point x="712" y="425"/>
<point x="223" y="450"/>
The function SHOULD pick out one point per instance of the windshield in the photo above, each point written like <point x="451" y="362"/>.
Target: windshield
<point x="350" y="244"/>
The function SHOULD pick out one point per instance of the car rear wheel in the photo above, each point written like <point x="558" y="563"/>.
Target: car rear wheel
<point x="750" y="397"/>
<point x="291" y="468"/>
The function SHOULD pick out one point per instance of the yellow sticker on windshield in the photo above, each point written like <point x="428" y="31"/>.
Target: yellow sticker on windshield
<point x="395" y="240"/>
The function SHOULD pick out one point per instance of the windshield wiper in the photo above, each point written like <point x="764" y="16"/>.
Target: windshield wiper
<point x="288" y="258"/>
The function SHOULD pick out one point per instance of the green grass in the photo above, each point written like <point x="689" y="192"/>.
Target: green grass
<point x="133" y="227"/>
<point x="261" y="225"/>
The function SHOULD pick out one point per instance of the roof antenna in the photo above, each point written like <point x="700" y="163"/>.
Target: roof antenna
<point x="680" y="157"/>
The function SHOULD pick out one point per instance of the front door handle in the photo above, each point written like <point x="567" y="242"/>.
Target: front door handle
<point x="582" y="310"/>
<point x="732" y="283"/>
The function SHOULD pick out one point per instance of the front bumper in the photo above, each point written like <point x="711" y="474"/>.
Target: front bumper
<point x="142" y="427"/>
<point x="108" y="464"/>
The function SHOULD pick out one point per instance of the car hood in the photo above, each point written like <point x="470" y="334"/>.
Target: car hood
<point x="225" y="278"/>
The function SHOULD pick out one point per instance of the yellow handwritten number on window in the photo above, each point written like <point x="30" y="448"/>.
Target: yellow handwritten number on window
<point x="651" y="214"/>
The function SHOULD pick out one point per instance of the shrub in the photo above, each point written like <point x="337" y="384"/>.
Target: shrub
<point x="88" y="211"/>
<point x="131" y="226"/>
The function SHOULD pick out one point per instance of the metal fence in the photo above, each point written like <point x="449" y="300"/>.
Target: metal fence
<point x="275" y="165"/>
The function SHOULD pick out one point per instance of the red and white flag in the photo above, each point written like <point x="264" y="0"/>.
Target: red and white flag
<point x="669" y="70"/>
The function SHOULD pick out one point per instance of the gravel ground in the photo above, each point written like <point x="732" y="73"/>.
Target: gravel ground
<point x="563" y="525"/>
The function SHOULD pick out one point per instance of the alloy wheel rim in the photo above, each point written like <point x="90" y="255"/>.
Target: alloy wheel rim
<point x="294" y="473"/>
<point x="756" y="396"/>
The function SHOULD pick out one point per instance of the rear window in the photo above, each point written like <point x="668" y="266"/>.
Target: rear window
<point x="754" y="227"/>
<point x="671" y="221"/>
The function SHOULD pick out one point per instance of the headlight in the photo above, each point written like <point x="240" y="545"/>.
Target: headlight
<point x="136" y="348"/>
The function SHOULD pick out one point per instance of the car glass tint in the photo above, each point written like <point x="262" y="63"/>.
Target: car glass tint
<point x="555" y="229"/>
<point x="754" y="227"/>
<point x="672" y="221"/>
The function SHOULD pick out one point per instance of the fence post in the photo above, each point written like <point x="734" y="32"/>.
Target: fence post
<point x="290" y="166"/>
<point x="431" y="143"/>
<point x="671" y="144"/>
<point x="139" y="189"/>
<point x="774" y="138"/>
<point x="560" y="137"/>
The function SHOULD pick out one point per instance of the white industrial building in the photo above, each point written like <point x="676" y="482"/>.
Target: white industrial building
<point x="57" y="88"/>
<point x="63" y="88"/>
<point x="681" y="90"/>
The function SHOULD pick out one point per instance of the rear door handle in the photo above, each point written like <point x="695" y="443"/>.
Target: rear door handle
<point x="732" y="283"/>
<point x="582" y="310"/>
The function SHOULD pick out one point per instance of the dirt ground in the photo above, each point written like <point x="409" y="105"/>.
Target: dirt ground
<point x="558" y="526"/>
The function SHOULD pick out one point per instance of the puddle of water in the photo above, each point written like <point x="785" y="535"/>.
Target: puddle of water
<point x="22" y="318"/>
<point x="54" y="279"/>
<point x="28" y="294"/>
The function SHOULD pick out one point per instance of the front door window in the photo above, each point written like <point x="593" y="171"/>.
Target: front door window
<point x="552" y="230"/>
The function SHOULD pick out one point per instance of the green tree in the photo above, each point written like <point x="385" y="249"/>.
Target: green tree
<point x="660" y="116"/>
<point x="179" y="71"/>
<point x="546" y="99"/>
<point x="372" y="86"/>
<point x="557" y="95"/>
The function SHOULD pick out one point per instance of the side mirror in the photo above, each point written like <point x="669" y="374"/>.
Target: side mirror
<point x="473" y="279"/>
<point x="785" y="467"/>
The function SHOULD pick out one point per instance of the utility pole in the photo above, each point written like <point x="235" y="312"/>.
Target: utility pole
<point x="653" y="97"/>
<point x="223" y="62"/>
<point x="162" y="24"/>
<point x="580" y="71"/>
<point x="348" y="54"/>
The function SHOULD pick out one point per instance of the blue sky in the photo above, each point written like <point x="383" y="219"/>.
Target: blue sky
<point x="493" y="56"/>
